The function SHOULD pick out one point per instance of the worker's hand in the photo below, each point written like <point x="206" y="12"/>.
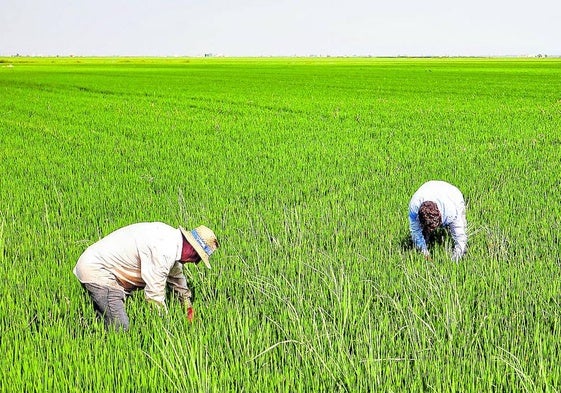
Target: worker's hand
<point x="427" y="255"/>
<point x="457" y="254"/>
<point x="160" y="307"/>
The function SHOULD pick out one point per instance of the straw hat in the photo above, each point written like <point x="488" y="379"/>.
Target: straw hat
<point x="203" y="241"/>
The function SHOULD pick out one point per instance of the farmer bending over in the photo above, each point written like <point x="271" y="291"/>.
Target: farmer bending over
<point x="438" y="204"/>
<point x="145" y="255"/>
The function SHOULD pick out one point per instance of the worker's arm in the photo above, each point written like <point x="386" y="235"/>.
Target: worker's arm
<point x="154" y="271"/>
<point x="458" y="230"/>
<point x="417" y="233"/>
<point x="178" y="284"/>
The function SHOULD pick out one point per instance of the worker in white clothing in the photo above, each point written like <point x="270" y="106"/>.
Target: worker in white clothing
<point x="438" y="204"/>
<point x="147" y="256"/>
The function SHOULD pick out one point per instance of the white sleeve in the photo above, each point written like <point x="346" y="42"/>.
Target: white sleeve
<point x="154" y="269"/>
<point x="458" y="230"/>
<point x="178" y="283"/>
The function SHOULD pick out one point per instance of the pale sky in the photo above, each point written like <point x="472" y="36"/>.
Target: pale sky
<point x="280" y="27"/>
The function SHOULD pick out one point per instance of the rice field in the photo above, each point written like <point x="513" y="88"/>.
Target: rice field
<point x="304" y="169"/>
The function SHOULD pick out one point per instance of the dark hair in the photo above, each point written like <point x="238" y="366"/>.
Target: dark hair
<point x="429" y="217"/>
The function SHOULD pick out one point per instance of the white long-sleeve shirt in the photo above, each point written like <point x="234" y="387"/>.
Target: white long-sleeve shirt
<point x="451" y="205"/>
<point x="144" y="255"/>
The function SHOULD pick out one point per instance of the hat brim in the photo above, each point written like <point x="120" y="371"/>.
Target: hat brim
<point x="189" y="237"/>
